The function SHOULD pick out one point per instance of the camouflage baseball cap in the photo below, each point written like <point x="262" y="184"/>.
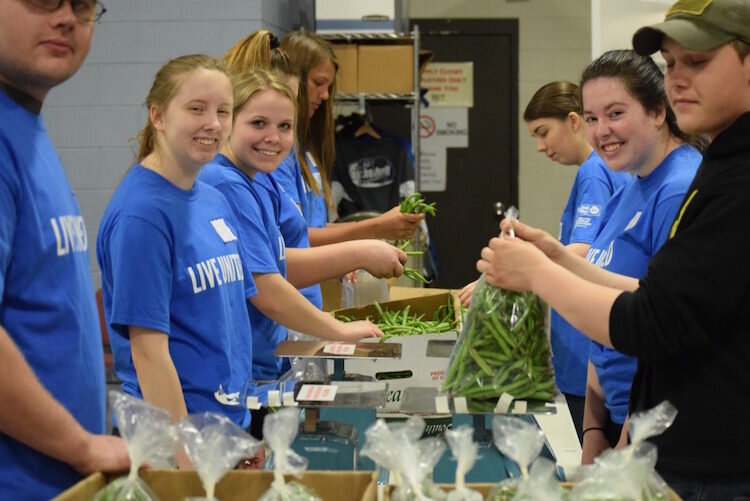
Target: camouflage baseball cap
<point x="697" y="25"/>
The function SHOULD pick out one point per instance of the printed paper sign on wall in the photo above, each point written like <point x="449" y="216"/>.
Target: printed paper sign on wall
<point x="449" y="85"/>
<point x="440" y="128"/>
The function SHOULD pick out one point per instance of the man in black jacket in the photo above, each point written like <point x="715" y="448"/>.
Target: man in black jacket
<point x="687" y="320"/>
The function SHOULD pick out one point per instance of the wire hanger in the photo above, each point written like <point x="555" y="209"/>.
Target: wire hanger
<point x="366" y="127"/>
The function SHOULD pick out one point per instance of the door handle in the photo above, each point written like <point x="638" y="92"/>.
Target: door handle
<point x="498" y="210"/>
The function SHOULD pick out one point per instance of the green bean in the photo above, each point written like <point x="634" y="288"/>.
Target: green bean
<point x="413" y="274"/>
<point x="480" y="361"/>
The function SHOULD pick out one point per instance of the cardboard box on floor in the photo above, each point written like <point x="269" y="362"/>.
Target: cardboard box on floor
<point x="415" y="369"/>
<point x="176" y="485"/>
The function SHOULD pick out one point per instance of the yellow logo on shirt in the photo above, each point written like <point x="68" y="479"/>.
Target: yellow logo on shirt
<point x="682" y="212"/>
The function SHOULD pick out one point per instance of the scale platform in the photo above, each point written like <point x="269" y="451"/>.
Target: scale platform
<point x="327" y="349"/>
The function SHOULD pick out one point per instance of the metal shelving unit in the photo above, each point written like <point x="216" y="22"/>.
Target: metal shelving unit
<point x="410" y="99"/>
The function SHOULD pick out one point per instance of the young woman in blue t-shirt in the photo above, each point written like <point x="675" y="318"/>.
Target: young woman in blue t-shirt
<point x="554" y="119"/>
<point x="631" y="126"/>
<point x="305" y="174"/>
<point x="173" y="282"/>
<point x="262" y="135"/>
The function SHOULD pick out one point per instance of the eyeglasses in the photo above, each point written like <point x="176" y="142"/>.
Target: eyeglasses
<point x="86" y="11"/>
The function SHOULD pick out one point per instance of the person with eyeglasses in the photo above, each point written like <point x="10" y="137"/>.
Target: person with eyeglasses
<point x="51" y="363"/>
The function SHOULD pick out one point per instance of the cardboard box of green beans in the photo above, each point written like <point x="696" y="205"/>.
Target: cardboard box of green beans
<point x="426" y="327"/>
<point x="503" y="351"/>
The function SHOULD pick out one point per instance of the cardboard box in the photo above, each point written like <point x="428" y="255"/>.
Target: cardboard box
<point x="176" y="485"/>
<point x="331" y="290"/>
<point x="385" y="68"/>
<point x="485" y="488"/>
<point x="398" y="292"/>
<point x="417" y="367"/>
<point x="346" y="77"/>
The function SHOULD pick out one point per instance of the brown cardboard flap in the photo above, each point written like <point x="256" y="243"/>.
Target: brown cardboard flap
<point x="426" y="305"/>
<point x="175" y="485"/>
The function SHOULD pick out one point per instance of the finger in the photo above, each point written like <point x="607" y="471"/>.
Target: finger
<point x="402" y="257"/>
<point x="398" y="270"/>
<point x="487" y="254"/>
<point x="495" y="243"/>
<point x="483" y="266"/>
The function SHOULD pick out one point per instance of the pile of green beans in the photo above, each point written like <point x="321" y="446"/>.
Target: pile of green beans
<point x="503" y="348"/>
<point x="404" y="323"/>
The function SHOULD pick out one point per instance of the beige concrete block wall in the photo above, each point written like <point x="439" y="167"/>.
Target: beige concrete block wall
<point x="554" y="44"/>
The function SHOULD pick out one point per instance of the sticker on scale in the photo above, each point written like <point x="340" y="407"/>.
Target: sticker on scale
<point x="441" y="404"/>
<point x="288" y="399"/>
<point x="317" y="393"/>
<point x="223" y="230"/>
<point x="339" y="349"/>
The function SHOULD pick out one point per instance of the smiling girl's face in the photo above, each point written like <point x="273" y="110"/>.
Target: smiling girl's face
<point x="197" y="120"/>
<point x="263" y="132"/>
<point x="619" y="128"/>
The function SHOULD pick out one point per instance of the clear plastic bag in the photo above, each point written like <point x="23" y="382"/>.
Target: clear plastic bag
<point x="517" y="439"/>
<point x="364" y="289"/>
<point x="214" y="444"/>
<point x="628" y="473"/>
<point x="464" y="449"/>
<point x="150" y="439"/>
<point x="397" y="447"/>
<point x="279" y="430"/>
<point x="503" y="349"/>
<point x="522" y="442"/>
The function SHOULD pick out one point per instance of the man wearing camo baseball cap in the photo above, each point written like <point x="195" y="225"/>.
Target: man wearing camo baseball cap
<point x="701" y="274"/>
<point x="698" y="25"/>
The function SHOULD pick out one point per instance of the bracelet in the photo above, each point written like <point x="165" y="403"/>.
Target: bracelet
<point x="592" y="428"/>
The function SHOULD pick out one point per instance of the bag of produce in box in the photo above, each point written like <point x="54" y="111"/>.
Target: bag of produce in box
<point x="397" y="448"/>
<point x="464" y="449"/>
<point x="628" y="473"/>
<point x="279" y="430"/>
<point x="150" y="439"/>
<point x="214" y="444"/>
<point x="522" y="442"/>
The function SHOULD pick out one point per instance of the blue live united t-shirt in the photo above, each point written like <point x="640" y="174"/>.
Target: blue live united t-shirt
<point x="638" y="219"/>
<point x="47" y="303"/>
<point x="288" y="177"/>
<point x="257" y="206"/>
<point x="592" y="189"/>
<point x="170" y="262"/>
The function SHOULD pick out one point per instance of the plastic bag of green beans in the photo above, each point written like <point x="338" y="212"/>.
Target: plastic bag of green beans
<point x="150" y="439"/>
<point x="502" y="349"/>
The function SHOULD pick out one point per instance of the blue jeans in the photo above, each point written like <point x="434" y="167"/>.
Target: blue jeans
<point x="700" y="490"/>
